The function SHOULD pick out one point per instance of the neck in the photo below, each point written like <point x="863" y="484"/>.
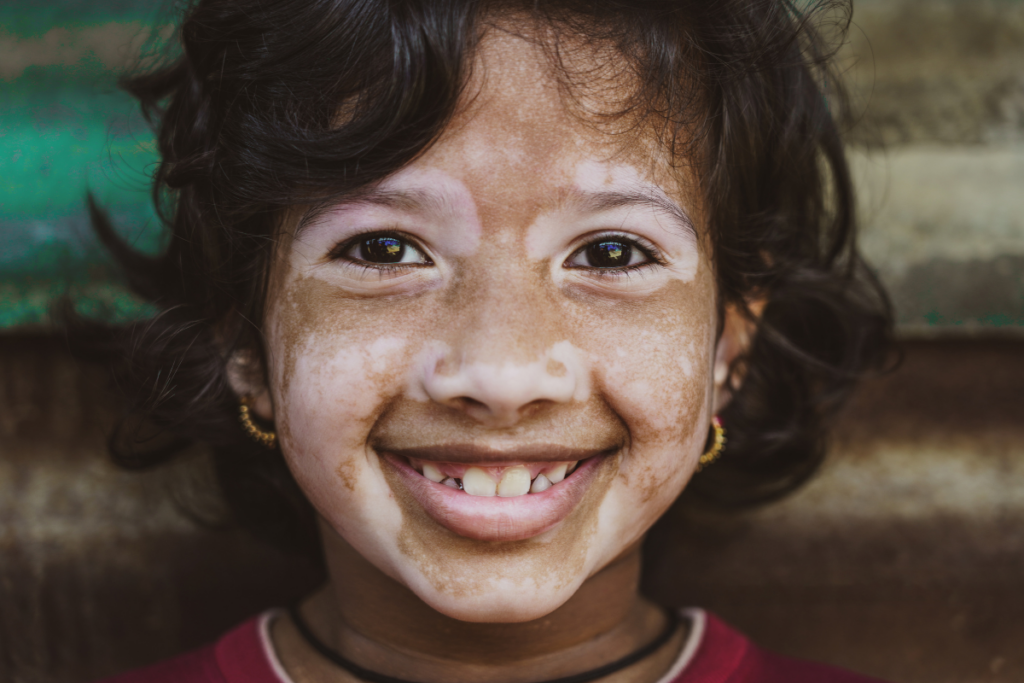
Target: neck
<point x="382" y="625"/>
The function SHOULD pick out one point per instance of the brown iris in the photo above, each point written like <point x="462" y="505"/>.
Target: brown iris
<point x="609" y="254"/>
<point x="382" y="249"/>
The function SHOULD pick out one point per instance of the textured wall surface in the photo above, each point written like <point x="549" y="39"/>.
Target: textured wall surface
<point x="100" y="569"/>
<point x="939" y="157"/>
<point x="66" y="129"/>
<point x="904" y="559"/>
<point x="938" y="152"/>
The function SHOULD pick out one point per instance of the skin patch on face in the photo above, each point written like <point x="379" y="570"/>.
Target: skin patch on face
<point x="658" y="210"/>
<point x="559" y="374"/>
<point x="663" y="400"/>
<point x="495" y="326"/>
<point x="440" y="206"/>
<point x="332" y="375"/>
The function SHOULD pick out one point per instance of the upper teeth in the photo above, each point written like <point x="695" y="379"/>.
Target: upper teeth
<point x="476" y="482"/>
<point x="515" y="481"/>
<point x="541" y="483"/>
<point x="556" y="474"/>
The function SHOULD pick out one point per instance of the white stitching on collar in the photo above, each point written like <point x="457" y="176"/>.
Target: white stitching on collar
<point x="698" y="621"/>
<point x="266" y="619"/>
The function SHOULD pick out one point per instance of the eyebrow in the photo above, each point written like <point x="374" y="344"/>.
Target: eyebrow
<point x="402" y="200"/>
<point x="653" y="197"/>
<point x="575" y="199"/>
<point x="406" y="200"/>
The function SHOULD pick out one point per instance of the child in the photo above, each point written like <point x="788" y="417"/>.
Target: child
<point x="470" y="291"/>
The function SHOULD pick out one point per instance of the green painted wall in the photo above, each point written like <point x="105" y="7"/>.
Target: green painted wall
<point x="65" y="128"/>
<point x="942" y="208"/>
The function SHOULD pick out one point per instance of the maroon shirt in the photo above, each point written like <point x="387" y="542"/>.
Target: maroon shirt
<point x="714" y="653"/>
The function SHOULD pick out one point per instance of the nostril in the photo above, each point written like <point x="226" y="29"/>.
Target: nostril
<point x="467" y="403"/>
<point x="495" y="409"/>
<point x="533" y="407"/>
<point x="502" y="393"/>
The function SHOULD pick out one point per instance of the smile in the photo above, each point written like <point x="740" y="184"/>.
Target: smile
<point x="490" y="480"/>
<point x="519" y="496"/>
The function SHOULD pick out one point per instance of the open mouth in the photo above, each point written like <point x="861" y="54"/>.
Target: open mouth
<point x="496" y="480"/>
<point x="492" y="499"/>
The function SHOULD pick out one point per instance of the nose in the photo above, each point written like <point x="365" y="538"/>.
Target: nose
<point x="500" y="365"/>
<point x="501" y="394"/>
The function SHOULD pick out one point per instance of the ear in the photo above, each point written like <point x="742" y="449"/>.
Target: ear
<point x="246" y="376"/>
<point x="738" y="332"/>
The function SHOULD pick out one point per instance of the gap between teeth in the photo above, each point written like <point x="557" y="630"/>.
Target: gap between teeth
<point x="515" y="481"/>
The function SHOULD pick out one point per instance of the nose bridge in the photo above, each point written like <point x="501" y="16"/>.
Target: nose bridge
<point x="505" y="350"/>
<point x="506" y="317"/>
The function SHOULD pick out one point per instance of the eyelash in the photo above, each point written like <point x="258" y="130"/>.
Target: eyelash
<point x="649" y="250"/>
<point x="340" y="251"/>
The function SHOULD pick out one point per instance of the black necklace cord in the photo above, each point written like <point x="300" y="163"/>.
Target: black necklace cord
<point x="671" y="626"/>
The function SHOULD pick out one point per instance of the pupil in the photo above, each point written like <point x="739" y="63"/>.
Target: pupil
<point x="609" y="254"/>
<point x="383" y="249"/>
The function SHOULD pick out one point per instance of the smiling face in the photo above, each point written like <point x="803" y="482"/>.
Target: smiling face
<point x="494" y="371"/>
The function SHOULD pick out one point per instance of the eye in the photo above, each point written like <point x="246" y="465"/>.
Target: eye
<point x="612" y="253"/>
<point x="383" y="250"/>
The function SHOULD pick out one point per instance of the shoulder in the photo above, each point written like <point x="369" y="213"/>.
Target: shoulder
<point x="243" y="655"/>
<point x="720" y="654"/>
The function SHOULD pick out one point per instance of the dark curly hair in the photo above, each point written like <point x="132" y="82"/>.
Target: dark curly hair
<point x="247" y="118"/>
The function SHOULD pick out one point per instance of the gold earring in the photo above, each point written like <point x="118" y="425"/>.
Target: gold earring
<point x="716" y="448"/>
<point x="265" y="438"/>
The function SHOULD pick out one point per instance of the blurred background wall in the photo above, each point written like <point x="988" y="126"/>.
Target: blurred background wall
<point x="904" y="559"/>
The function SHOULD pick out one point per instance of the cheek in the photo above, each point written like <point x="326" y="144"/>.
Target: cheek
<point x="338" y="388"/>
<point x="653" y="366"/>
<point x="333" y="371"/>
<point x="653" y="381"/>
<point x="652" y="363"/>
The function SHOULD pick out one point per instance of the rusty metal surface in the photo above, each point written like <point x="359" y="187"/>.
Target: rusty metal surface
<point x="100" y="570"/>
<point x="904" y="559"/>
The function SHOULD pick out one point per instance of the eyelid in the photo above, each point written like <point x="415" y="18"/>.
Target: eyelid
<point x="340" y="251"/>
<point x="649" y="249"/>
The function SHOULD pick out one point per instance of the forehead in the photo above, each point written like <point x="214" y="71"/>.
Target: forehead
<point x="531" y="118"/>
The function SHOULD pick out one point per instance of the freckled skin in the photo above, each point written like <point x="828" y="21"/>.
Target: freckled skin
<point x="346" y="349"/>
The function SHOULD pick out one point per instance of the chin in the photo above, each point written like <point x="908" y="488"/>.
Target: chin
<point x="495" y="604"/>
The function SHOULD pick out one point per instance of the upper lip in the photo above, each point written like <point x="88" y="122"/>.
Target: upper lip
<point x="469" y="453"/>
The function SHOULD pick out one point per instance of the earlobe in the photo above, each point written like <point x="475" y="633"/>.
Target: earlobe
<point x="245" y="374"/>
<point x="738" y="331"/>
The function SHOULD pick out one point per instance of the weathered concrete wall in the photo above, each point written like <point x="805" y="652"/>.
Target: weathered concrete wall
<point x="904" y="559"/>
<point x="938" y="152"/>
<point x="948" y="72"/>
<point x="100" y="569"/>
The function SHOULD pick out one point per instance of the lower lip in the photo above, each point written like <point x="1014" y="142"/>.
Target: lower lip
<point x="495" y="518"/>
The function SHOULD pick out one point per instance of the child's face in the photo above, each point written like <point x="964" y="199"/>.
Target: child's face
<point x="528" y="292"/>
